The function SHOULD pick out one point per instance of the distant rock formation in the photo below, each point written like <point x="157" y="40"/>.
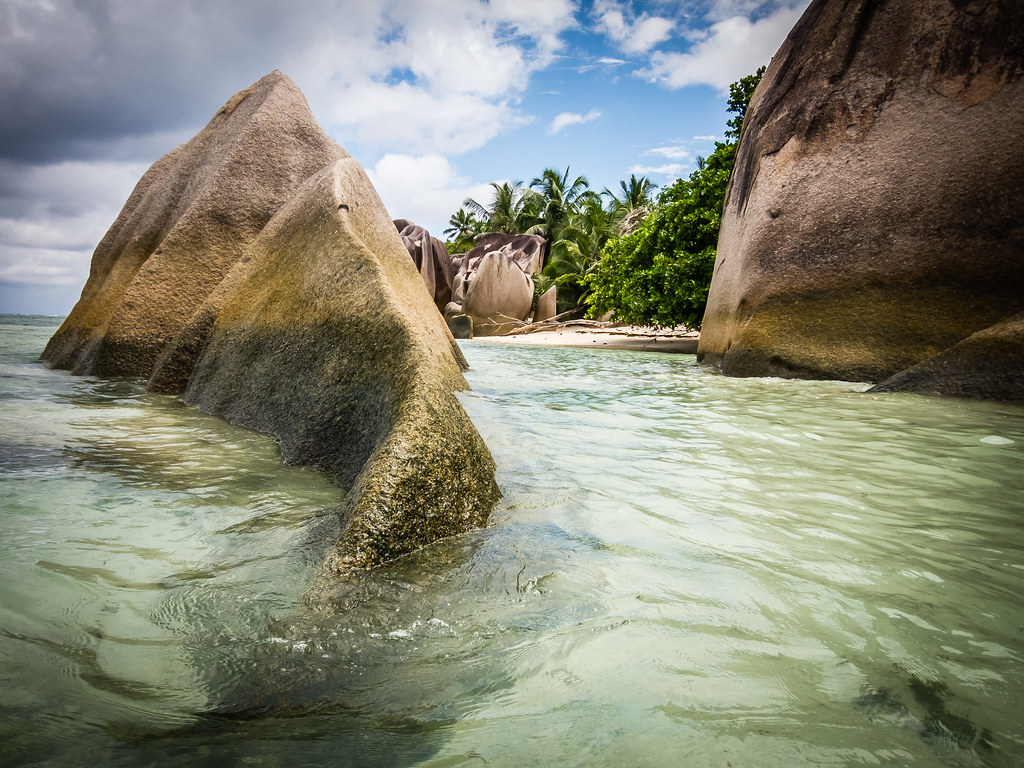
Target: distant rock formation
<point x="547" y="305"/>
<point x="309" y="322"/>
<point x="631" y="221"/>
<point x="432" y="260"/>
<point x="494" y="282"/>
<point x="873" y="218"/>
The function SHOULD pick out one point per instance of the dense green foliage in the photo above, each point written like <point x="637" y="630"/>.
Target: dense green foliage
<point x="660" y="273"/>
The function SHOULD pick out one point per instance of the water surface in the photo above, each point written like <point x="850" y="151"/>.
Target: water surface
<point x="685" y="569"/>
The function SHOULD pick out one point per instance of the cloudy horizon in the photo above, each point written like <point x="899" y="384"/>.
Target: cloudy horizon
<point x="436" y="98"/>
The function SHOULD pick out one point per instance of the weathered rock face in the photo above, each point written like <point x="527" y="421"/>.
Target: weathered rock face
<point x="547" y="305"/>
<point x="988" y="364"/>
<point x="330" y="343"/>
<point x="498" y="293"/>
<point x="631" y="223"/>
<point x="185" y="225"/>
<point x="494" y="282"/>
<point x="315" y="326"/>
<point x="525" y="250"/>
<point x="431" y="258"/>
<point x="873" y="218"/>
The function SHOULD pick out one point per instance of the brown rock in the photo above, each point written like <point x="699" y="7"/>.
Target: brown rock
<point x="632" y="220"/>
<point x="525" y="250"/>
<point x="873" y="218"/>
<point x="329" y="343"/>
<point x="309" y="323"/>
<point x="431" y="258"/>
<point x="184" y="227"/>
<point x="494" y="281"/>
<point x="987" y="364"/>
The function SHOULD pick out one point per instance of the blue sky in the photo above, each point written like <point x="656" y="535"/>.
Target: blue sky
<point x="436" y="98"/>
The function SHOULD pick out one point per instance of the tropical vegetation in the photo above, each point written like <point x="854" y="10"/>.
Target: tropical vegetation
<point x="647" y="261"/>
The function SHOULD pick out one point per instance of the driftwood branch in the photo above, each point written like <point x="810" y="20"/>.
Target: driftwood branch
<point x="553" y="323"/>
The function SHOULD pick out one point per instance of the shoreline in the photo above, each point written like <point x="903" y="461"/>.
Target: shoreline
<point x="623" y="337"/>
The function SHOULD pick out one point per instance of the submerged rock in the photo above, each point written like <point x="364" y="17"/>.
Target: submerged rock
<point x="256" y="270"/>
<point x="431" y="259"/>
<point x="987" y="364"/>
<point x="872" y="219"/>
<point x="330" y="343"/>
<point x="185" y="225"/>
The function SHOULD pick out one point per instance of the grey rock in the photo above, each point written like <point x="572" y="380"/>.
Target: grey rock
<point x="185" y="226"/>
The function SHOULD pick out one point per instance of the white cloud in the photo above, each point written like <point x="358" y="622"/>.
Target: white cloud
<point x="607" y="61"/>
<point x="730" y="50"/>
<point x="426" y="189"/>
<point x="669" y="171"/>
<point x="671" y="153"/>
<point x="706" y="138"/>
<point x="418" y="120"/>
<point x="637" y="35"/>
<point x="565" y="119"/>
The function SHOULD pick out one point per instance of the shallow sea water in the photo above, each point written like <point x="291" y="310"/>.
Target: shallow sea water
<point x="685" y="569"/>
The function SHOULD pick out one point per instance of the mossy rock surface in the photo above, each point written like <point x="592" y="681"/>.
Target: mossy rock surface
<point x="256" y="271"/>
<point x="331" y="343"/>
<point x="988" y="364"/>
<point x="871" y="220"/>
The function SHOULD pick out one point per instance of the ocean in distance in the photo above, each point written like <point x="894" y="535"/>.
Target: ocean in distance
<point x="685" y="569"/>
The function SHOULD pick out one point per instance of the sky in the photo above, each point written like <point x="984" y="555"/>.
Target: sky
<point x="435" y="98"/>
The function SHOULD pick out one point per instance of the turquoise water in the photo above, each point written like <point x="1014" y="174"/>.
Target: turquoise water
<point x="685" y="569"/>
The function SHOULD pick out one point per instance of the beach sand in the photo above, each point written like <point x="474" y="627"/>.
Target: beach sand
<point x="678" y="340"/>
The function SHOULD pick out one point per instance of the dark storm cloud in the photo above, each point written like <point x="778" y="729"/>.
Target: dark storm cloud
<point x="77" y="74"/>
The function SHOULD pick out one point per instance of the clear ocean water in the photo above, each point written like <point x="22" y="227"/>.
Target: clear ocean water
<point x="685" y="569"/>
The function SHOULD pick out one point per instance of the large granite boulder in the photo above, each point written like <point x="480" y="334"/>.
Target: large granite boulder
<point x="873" y="218"/>
<point x="319" y="330"/>
<point x="494" y="282"/>
<point x="330" y="343"/>
<point x="498" y="294"/>
<point x="987" y="364"/>
<point x="186" y="224"/>
<point x="431" y="258"/>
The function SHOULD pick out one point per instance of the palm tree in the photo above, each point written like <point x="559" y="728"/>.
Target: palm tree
<point x="507" y="212"/>
<point x="559" y="198"/>
<point x="636" y="193"/>
<point x="575" y="255"/>
<point x="463" y="226"/>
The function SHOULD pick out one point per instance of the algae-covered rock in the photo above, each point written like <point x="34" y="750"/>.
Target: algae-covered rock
<point x="330" y="342"/>
<point x="987" y="364"/>
<point x="873" y="217"/>
<point x="185" y="225"/>
<point x="255" y="270"/>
